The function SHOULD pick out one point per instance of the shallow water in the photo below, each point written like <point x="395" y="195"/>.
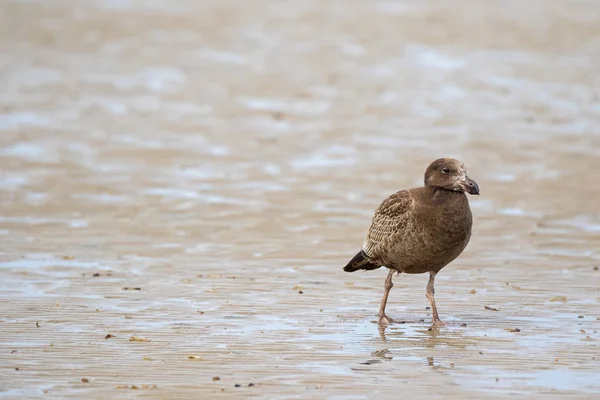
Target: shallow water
<point x="225" y="156"/>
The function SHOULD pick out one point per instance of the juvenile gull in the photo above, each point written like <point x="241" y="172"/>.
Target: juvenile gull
<point x="420" y="230"/>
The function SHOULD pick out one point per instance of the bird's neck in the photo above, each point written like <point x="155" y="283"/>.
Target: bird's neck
<point x="436" y="195"/>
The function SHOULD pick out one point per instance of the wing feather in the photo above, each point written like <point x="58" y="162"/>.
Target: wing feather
<point x="390" y="218"/>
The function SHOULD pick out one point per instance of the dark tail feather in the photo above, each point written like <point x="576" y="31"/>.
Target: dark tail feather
<point x="360" y="261"/>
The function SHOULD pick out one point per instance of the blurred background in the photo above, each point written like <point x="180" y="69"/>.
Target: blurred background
<point x="195" y="174"/>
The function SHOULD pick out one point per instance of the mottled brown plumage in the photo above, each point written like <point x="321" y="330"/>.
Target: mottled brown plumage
<point x="420" y="230"/>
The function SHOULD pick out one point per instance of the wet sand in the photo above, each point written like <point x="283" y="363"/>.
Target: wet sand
<point x="225" y="158"/>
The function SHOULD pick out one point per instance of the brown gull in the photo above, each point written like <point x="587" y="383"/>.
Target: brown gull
<point x="420" y="230"/>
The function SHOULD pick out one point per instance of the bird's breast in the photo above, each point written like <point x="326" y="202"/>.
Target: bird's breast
<point x="441" y="238"/>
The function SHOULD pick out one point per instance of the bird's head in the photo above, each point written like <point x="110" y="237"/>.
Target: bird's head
<point x="450" y="174"/>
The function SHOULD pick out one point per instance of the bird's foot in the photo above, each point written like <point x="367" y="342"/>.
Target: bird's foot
<point x="438" y="323"/>
<point x="385" y="320"/>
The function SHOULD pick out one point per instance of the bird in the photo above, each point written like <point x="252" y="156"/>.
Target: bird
<point x="420" y="230"/>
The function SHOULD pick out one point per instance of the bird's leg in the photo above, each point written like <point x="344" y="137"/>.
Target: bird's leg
<point x="384" y="319"/>
<point x="430" y="295"/>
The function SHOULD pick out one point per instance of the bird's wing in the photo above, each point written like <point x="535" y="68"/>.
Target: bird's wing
<point x="390" y="218"/>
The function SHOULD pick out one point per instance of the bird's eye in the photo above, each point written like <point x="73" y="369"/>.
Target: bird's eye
<point x="445" y="170"/>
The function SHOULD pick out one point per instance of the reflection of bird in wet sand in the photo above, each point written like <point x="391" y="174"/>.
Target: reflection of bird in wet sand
<point x="420" y="230"/>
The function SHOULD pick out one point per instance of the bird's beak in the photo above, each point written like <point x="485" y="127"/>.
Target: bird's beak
<point x="470" y="186"/>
